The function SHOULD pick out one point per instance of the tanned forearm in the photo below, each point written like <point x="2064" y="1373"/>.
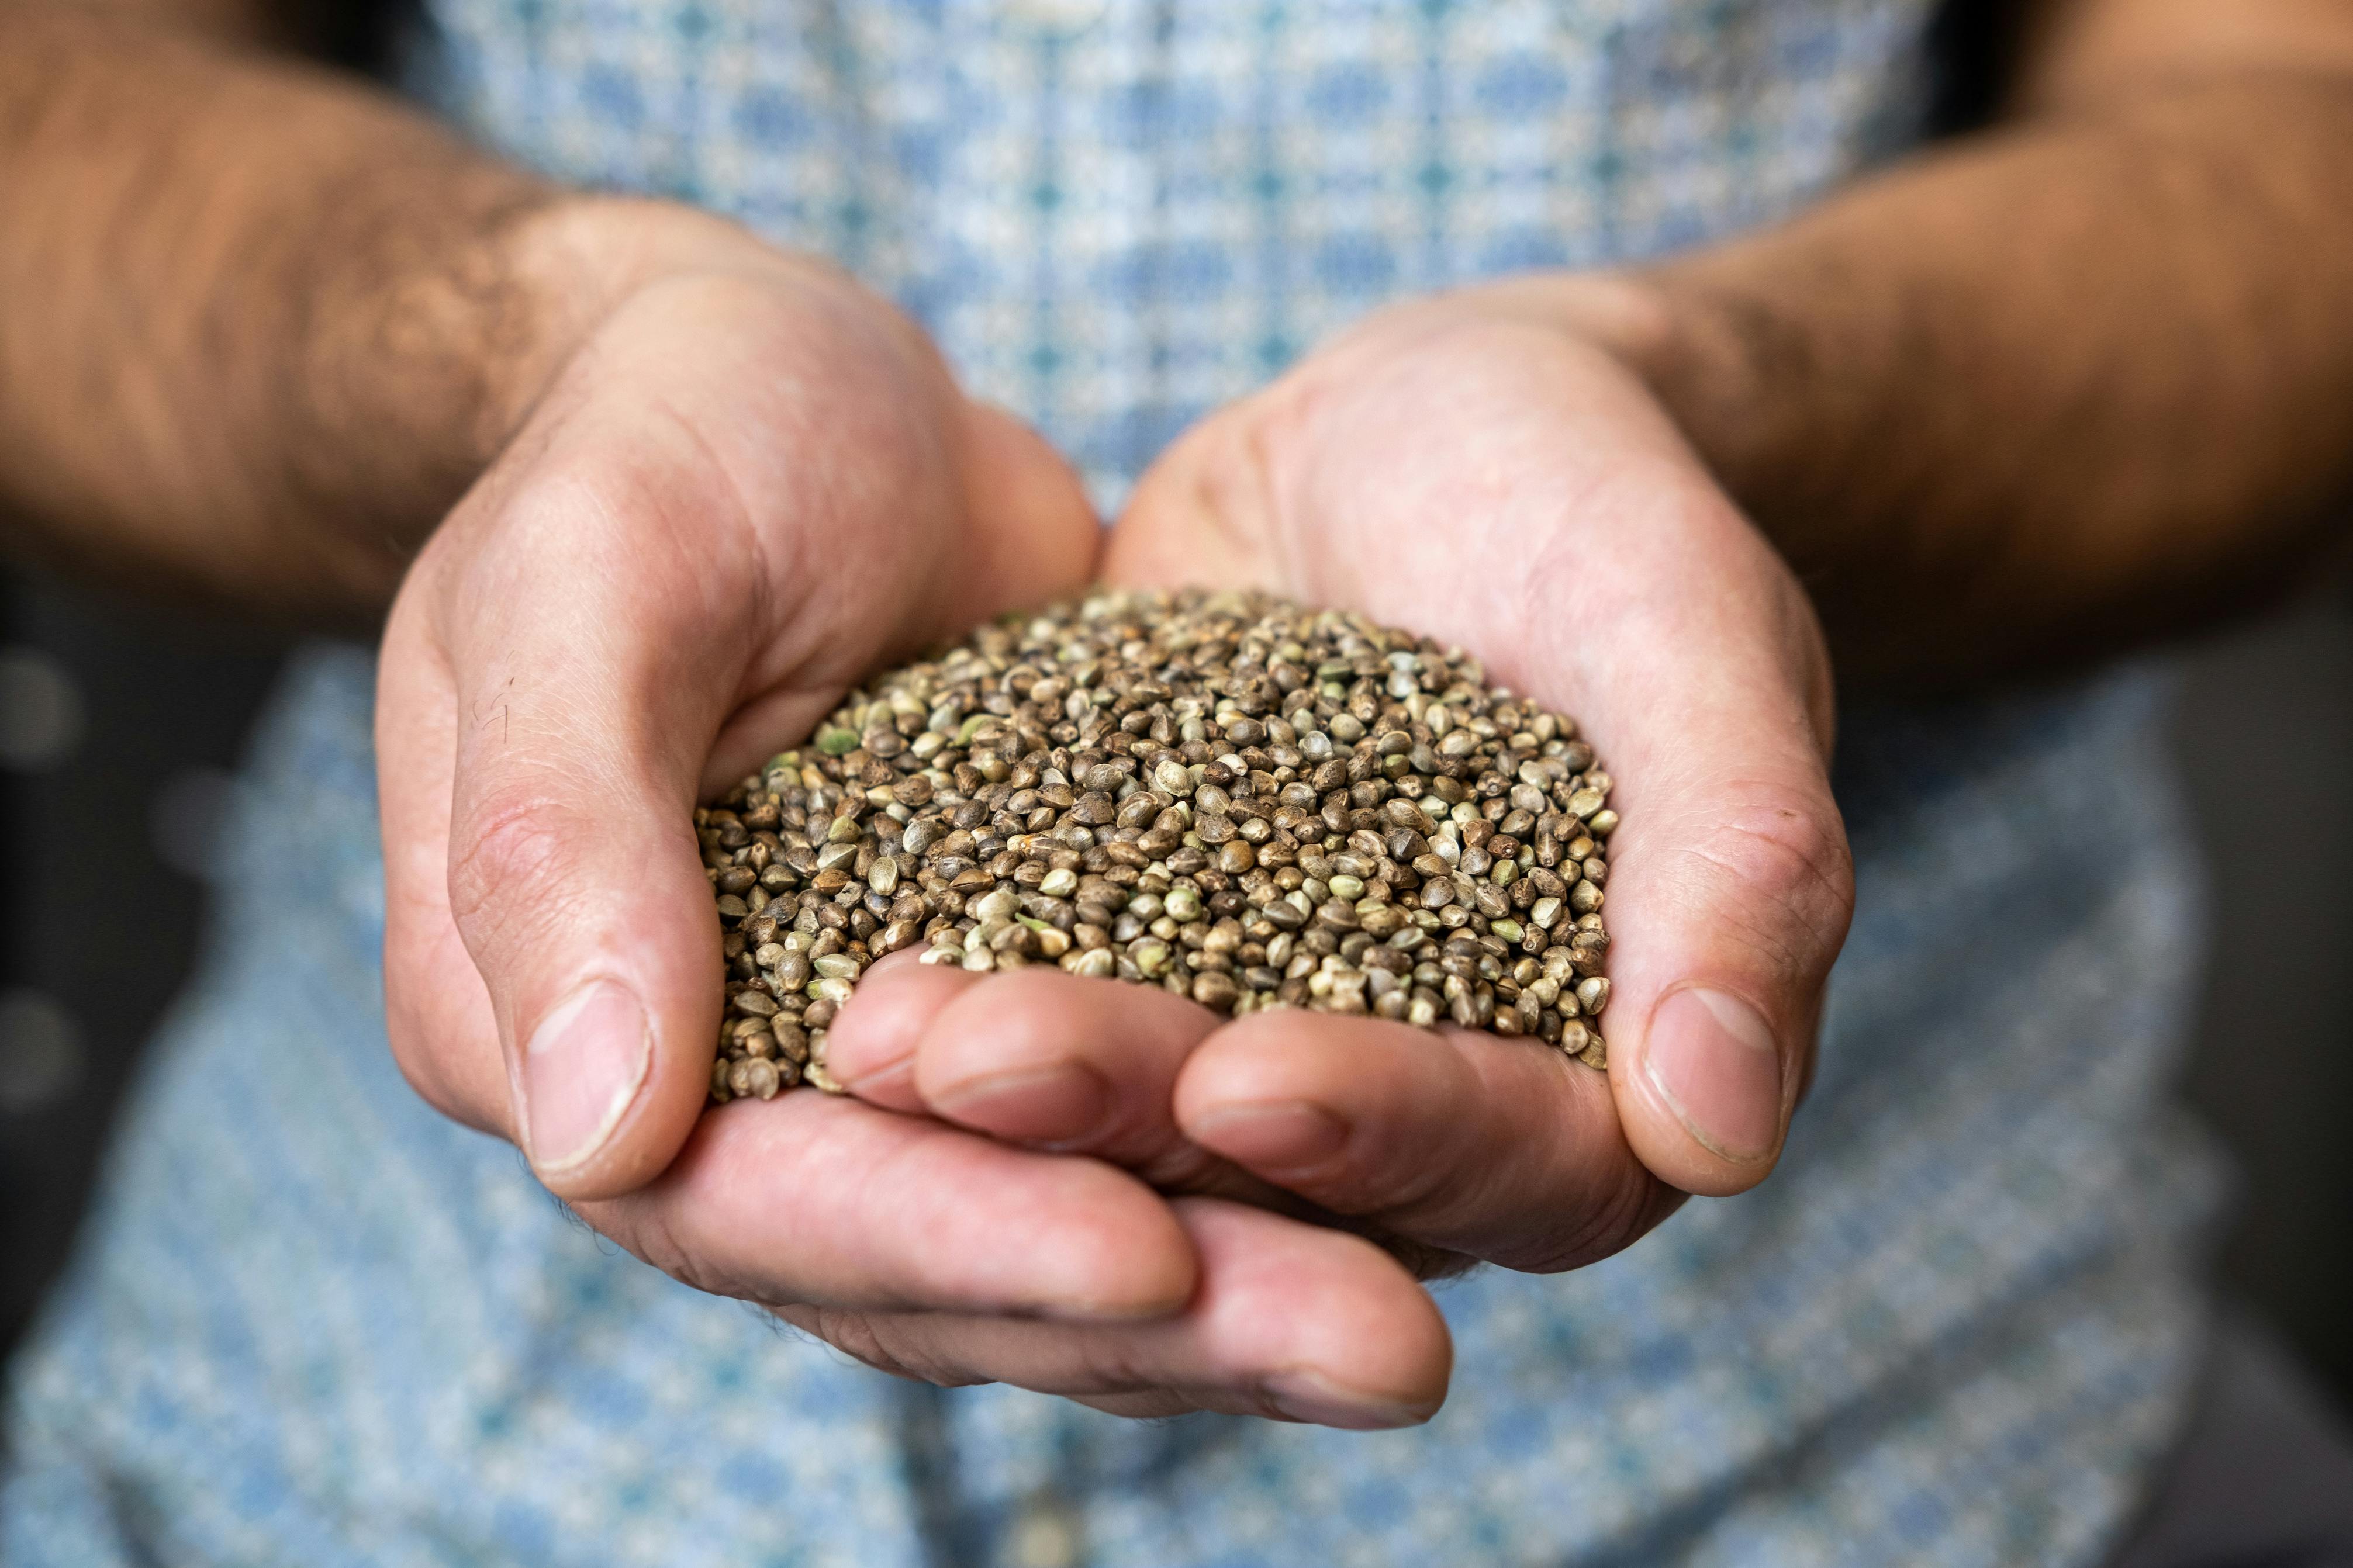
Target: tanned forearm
<point x="2083" y="379"/>
<point x="259" y="326"/>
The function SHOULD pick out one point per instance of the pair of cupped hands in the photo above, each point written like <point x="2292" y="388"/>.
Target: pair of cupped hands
<point x="754" y="483"/>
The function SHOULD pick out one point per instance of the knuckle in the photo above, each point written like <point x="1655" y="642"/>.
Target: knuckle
<point x="1110" y="1364"/>
<point x="1372" y="1183"/>
<point x="1783" y="857"/>
<point x="510" y="852"/>
<point x="1429" y="1263"/>
<point x="854" y="1334"/>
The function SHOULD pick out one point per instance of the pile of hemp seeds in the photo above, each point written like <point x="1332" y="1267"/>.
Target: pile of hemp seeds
<point x="1227" y="795"/>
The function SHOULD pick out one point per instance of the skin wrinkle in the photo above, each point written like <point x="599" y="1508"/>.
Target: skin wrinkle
<point x="653" y="1239"/>
<point x="1266" y="496"/>
<point x="672" y="1224"/>
<point x="1380" y="1196"/>
<point x="512" y="853"/>
<point x="1457" y="1180"/>
<point x="1631" y="1204"/>
<point x="858" y="1336"/>
<point x="1388" y="1202"/>
<point x="1812" y="869"/>
<point x="938" y="1209"/>
<point x="749" y="563"/>
<point x="1259" y="554"/>
<point x="1791" y="960"/>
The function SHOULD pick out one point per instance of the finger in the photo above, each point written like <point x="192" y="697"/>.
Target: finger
<point x="1730" y="885"/>
<point x="1052" y="1061"/>
<point x="811" y="1198"/>
<point x="1289" y="1321"/>
<point x="1502" y="1148"/>
<point x="1734" y="891"/>
<point x="871" y="1049"/>
<point x="1036" y="1056"/>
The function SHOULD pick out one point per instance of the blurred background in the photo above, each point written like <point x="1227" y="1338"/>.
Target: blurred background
<point x="119" y="727"/>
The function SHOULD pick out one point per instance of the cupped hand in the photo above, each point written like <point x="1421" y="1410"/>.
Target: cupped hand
<point x="751" y="483"/>
<point x="1483" y="469"/>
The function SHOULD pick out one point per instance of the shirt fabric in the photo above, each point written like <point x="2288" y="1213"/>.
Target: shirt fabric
<point x="313" y="1322"/>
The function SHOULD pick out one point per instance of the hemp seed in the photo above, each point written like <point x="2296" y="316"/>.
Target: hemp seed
<point x="1238" y="799"/>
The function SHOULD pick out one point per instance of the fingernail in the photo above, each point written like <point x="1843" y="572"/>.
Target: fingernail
<point x="1279" y="1135"/>
<point x="1312" y="1397"/>
<point x="581" y="1069"/>
<point x="1713" y="1059"/>
<point x="1060" y="1104"/>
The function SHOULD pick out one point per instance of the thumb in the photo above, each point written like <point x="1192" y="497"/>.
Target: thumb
<point x="1735" y="898"/>
<point x="1204" y="513"/>
<point x="574" y="874"/>
<point x="1729" y="888"/>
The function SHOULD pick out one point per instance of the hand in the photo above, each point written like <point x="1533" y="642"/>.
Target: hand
<point x="1480" y="469"/>
<point x="752" y="483"/>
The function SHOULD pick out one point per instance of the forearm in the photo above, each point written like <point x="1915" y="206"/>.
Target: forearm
<point x="2078" y="381"/>
<point x="259" y="326"/>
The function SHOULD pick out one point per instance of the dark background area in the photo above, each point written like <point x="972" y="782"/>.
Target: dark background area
<point x="118" y="727"/>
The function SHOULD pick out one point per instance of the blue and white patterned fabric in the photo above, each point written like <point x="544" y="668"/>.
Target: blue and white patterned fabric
<point x="316" y="1324"/>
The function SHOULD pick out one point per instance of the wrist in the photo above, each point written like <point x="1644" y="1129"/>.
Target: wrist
<point x="446" y="357"/>
<point x="1715" y="357"/>
<point x="1688" y="341"/>
<point x="568" y="267"/>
